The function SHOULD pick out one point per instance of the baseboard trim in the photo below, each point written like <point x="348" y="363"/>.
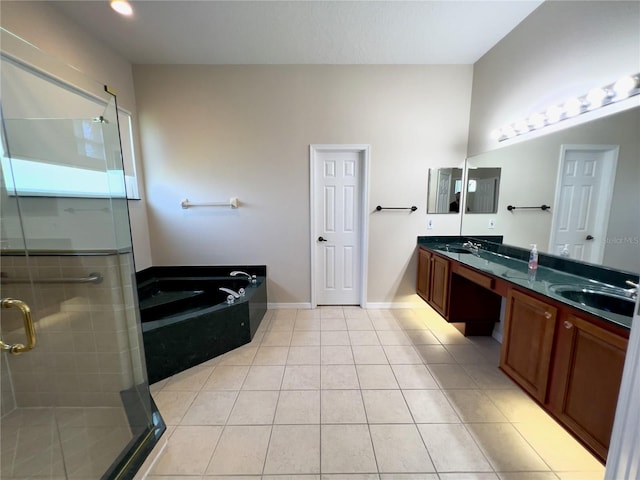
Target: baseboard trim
<point x="391" y="305"/>
<point x="288" y="306"/>
<point x="370" y="305"/>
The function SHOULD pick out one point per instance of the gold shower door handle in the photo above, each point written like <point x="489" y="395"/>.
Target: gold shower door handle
<point x="29" y="330"/>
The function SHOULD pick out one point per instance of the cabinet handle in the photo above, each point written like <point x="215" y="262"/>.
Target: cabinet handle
<point x="547" y="315"/>
<point x="568" y="325"/>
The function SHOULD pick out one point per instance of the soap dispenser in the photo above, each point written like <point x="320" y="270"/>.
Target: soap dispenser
<point x="533" y="263"/>
<point x="565" y="251"/>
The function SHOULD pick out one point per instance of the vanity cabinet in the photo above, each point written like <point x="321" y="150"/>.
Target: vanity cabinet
<point x="569" y="362"/>
<point x="585" y="383"/>
<point x="424" y="273"/>
<point x="439" y="284"/>
<point x="527" y="344"/>
<point x="566" y="359"/>
<point x="474" y="300"/>
<point x="463" y="296"/>
<point x="433" y="280"/>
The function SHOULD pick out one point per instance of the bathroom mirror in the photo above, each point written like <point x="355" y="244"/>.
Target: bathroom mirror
<point x="529" y="174"/>
<point x="483" y="188"/>
<point x="445" y="185"/>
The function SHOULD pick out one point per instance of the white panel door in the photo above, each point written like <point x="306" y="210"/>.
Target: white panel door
<point x="443" y="193"/>
<point x="484" y="198"/>
<point x="583" y="197"/>
<point x="337" y="227"/>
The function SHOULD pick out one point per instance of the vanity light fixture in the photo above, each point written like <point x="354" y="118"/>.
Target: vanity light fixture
<point x="598" y="97"/>
<point x="123" y="7"/>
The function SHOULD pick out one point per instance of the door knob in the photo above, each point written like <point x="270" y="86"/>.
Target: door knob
<point x="29" y="330"/>
<point x="589" y="237"/>
<point x="320" y="239"/>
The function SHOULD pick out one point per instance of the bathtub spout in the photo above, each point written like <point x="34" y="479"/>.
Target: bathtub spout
<point x="252" y="278"/>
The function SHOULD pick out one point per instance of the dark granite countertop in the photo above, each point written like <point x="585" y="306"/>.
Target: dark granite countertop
<point x="511" y="264"/>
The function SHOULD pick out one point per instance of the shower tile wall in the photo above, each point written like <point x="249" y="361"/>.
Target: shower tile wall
<point x="86" y="333"/>
<point x="7" y="400"/>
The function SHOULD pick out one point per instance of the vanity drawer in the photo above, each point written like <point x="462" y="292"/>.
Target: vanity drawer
<point x="476" y="277"/>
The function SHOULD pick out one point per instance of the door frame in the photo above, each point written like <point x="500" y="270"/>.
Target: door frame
<point x="608" y="179"/>
<point x="364" y="152"/>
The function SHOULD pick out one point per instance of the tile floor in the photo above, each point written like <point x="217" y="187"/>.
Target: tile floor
<point x="342" y="393"/>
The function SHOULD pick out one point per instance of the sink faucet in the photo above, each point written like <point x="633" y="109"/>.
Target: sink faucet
<point x="251" y="278"/>
<point x="632" y="292"/>
<point x="474" y="247"/>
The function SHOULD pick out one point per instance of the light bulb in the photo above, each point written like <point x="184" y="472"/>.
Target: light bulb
<point x="537" y="120"/>
<point x="521" y="126"/>
<point x="554" y="114"/>
<point x="508" y="131"/>
<point x="495" y="134"/>
<point x="623" y="87"/>
<point x="123" y="7"/>
<point x="573" y="107"/>
<point x="596" y="97"/>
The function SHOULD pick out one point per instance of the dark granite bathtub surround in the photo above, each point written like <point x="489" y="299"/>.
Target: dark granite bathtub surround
<point x="199" y="271"/>
<point x="186" y="320"/>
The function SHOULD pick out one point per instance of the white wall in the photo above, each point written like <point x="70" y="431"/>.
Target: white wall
<point x="212" y="132"/>
<point x="561" y="50"/>
<point x="43" y="26"/>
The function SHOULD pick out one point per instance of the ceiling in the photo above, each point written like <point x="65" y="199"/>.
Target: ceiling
<point x="301" y="32"/>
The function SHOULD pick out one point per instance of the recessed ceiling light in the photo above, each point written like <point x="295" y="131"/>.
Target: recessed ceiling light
<point x="123" y="7"/>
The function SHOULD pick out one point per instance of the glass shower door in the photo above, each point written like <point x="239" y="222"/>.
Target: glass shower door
<point x="76" y="405"/>
<point x="29" y="443"/>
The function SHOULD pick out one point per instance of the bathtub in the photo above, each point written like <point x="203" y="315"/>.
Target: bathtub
<point x="186" y="319"/>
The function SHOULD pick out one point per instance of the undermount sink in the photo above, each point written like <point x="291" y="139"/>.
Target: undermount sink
<point x="600" y="298"/>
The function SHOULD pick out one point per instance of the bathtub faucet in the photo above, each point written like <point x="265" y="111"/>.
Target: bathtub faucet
<point x="238" y="294"/>
<point x="251" y="278"/>
<point x="231" y="298"/>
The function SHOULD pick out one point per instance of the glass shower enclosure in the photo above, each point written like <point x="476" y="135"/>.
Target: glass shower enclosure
<point x="74" y="400"/>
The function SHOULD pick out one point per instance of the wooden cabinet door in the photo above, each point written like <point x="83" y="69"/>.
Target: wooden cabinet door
<point x="588" y="366"/>
<point x="439" y="294"/>
<point x="424" y="270"/>
<point x="528" y="342"/>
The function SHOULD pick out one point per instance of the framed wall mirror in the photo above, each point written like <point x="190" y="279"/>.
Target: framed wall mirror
<point x="444" y="190"/>
<point x="589" y="175"/>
